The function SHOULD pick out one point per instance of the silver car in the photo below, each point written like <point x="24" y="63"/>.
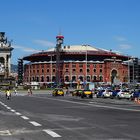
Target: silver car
<point x="124" y="94"/>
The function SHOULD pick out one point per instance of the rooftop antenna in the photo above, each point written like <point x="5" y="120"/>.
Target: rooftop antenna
<point x="60" y="32"/>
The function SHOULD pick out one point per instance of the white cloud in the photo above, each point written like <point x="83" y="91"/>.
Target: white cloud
<point x="125" y="46"/>
<point x="120" y="38"/>
<point x="118" y="52"/>
<point x="45" y="43"/>
<point x="25" y="49"/>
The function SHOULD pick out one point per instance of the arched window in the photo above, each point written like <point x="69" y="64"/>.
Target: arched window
<point x="101" y="78"/>
<point x="94" y="70"/>
<point x="73" y="70"/>
<point x="48" y="78"/>
<point x="94" y="78"/>
<point x="73" y="78"/>
<point x="66" y="78"/>
<point x="37" y="79"/>
<point x="81" y="78"/>
<point x="33" y="78"/>
<point x="42" y="70"/>
<point x="113" y="75"/>
<point x="42" y="78"/>
<point x="88" y="78"/>
<point x="53" y="79"/>
<point x="100" y="70"/>
<point x="81" y="70"/>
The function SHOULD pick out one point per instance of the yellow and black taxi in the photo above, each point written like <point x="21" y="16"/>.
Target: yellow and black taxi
<point x="77" y="92"/>
<point x="87" y="93"/>
<point x="58" y="92"/>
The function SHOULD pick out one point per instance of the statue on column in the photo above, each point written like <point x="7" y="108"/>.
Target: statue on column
<point x="5" y="55"/>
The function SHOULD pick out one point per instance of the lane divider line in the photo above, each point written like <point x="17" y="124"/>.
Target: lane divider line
<point x="48" y="131"/>
<point x="5" y="133"/>
<point x="12" y="110"/>
<point x="24" y="117"/>
<point x="35" y="123"/>
<point x="17" y="113"/>
<point x="51" y="133"/>
<point x="8" y="108"/>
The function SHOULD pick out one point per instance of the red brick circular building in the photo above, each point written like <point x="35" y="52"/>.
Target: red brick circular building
<point x="101" y="65"/>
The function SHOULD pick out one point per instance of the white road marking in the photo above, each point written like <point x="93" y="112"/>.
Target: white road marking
<point x="5" y="133"/>
<point x="25" y="118"/>
<point x="35" y="123"/>
<point x="51" y="133"/>
<point x="1" y="103"/>
<point x="8" y="108"/>
<point x="12" y="110"/>
<point x="17" y="113"/>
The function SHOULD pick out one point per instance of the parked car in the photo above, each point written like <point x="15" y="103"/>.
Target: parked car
<point x="77" y="92"/>
<point x="87" y="93"/>
<point x="58" y="92"/>
<point x="99" y="94"/>
<point x="107" y="93"/>
<point x="123" y="94"/>
<point x="135" y="94"/>
<point x="114" y="93"/>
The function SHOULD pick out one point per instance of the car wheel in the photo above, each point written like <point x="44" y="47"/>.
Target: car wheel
<point x="118" y="97"/>
<point x="91" y="96"/>
<point x="82" y="96"/>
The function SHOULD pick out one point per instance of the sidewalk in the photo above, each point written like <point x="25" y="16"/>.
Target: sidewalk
<point x="25" y="92"/>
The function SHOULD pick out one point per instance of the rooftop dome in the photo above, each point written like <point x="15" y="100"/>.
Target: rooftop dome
<point x="73" y="48"/>
<point x="79" y="48"/>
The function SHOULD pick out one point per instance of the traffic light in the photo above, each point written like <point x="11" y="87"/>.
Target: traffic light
<point x="20" y="71"/>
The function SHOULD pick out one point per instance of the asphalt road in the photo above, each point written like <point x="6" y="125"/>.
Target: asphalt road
<point x="43" y="117"/>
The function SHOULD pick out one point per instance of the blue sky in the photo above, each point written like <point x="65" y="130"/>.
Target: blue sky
<point x="108" y="24"/>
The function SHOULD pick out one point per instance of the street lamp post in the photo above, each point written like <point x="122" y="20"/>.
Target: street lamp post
<point x="86" y="63"/>
<point x="51" y="69"/>
<point x="85" y="66"/>
<point x="133" y="71"/>
<point x="71" y="75"/>
<point x="128" y="71"/>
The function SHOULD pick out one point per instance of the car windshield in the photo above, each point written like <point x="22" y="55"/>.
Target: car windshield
<point x="137" y="90"/>
<point x="125" y="90"/>
<point x="87" y="90"/>
<point x="117" y="90"/>
<point x="109" y="90"/>
<point x="58" y="89"/>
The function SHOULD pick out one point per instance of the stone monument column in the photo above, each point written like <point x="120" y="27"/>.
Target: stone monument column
<point x="5" y="57"/>
<point x="9" y="65"/>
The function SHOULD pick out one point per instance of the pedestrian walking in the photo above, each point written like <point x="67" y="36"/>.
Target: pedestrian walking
<point x="15" y="91"/>
<point x="29" y="91"/>
<point x="67" y="91"/>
